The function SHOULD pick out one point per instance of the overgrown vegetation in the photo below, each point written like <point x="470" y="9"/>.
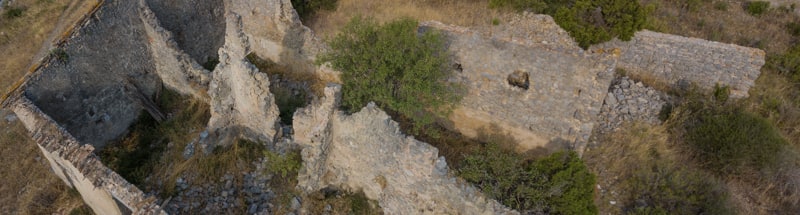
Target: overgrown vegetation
<point x="727" y="139"/>
<point x="756" y="8"/>
<point x="556" y="184"/>
<point x="285" y="165"/>
<point x="136" y="156"/>
<point x="394" y="66"/>
<point x="307" y="8"/>
<point x="342" y="203"/>
<point x="589" y="22"/>
<point x="643" y="174"/>
<point x="60" y="55"/>
<point x="787" y="63"/>
<point x="14" y="12"/>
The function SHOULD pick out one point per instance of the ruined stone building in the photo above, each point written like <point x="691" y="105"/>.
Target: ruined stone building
<point x="528" y="79"/>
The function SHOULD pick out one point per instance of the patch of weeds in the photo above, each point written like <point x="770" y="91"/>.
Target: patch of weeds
<point x="757" y="8"/>
<point x="495" y="21"/>
<point x="60" y="55"/>
<point x="139" y="155"/>
<point x="342" y="203"/>
<point x="721" y="6"/>
<point x="793" y="28"/>
<point x="14" y="12"/>
<point x="285" y="165"/>
<point x="721" y="93"/>
<point x="82" y="210"/>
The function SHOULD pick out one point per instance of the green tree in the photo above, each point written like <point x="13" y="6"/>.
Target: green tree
<point x="394" y="66"/>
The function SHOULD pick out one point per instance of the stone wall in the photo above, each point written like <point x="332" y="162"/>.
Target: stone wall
<point x="177" y="70"/>
<point x="367" y="152"/>
<point x="671" y="59"/>
<point x="565" y="91"/>
<point x="105" y="191"/>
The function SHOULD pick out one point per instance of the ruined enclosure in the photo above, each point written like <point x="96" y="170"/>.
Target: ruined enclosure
<point x="93" y="93"/>
<point x="247" y="68"/>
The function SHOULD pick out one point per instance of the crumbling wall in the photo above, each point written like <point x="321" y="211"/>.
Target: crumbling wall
<point x="366" y="151"/>
<point x="558" y="105"/>
<point x="671" y="59"/>
<point x="105" y="191"/>
<point x="197" y="26"/>
<point x="177" y="70"/>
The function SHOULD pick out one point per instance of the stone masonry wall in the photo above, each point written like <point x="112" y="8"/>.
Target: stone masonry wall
<point x="671" y="59"/>
<point x="566" y="90"/>
<point x="105" y="191"/>
<point x="367" y="152"/>
<point x="177" y="70"/>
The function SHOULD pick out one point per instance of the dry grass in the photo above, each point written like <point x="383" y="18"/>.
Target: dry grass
<point x="733" y="25"/>
<point x="26" y="178"/>
<point x="27" y="184"/>
<point x="457" y="12"/>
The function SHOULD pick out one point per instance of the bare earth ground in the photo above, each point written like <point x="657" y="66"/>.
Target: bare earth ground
<point x="25" y="178"/>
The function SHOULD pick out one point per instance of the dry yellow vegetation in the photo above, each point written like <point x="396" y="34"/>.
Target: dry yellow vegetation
<point x="26" y="176"/>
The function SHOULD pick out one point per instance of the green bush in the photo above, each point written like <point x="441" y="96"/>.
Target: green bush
<point x="557" y="184"/>
<point x="285" y="165"/>
<point x="721" y="5"/>
<point x="307" y="8"/>
<point x="757" y="8"/>
<point x="793" y="28"/>
<point x="787" y="63"/>
<point x="589" y="22"/>
<point x="394" y="66"/>
<point x="14" y="12"/>
<point x="731" y="140"/>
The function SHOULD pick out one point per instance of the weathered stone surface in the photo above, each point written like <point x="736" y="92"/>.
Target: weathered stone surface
<point x="670" y="59"/>
<point x="566" y="89"/>
<point x="366" y="151"/>
<point x="630" y="101"/>
<point x="84" y="93"/>
<point x="240" y="96"/>
<point x="176" y="69"/>
<point x="105" y="191"/>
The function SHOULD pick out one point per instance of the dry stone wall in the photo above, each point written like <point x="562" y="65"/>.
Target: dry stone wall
<point x="566" y="85"/>
<point x="367" y="152"/>
<point x="671" y="59"/>
<point x="105" y="191"/>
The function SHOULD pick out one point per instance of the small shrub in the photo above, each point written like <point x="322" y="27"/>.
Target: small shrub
<point x="285" y="165"/>
<point x="787" y="63"/>
<point x="660" y="188"/>
<point x="394" y="66"/>
<point x="14" y="12"/>
<point x="307" y="8"/>
<point x="60" y="55"/>
<point x="495" y="21"/>
<point x="756" y="8"/>
<point x="731" y="140"/>
<point x="793" y="28"/>
<point x="589" y="22"/>
<point x="721" y="93"/>
<point x="557" y="184"/>
<point x="721" y="5"/>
